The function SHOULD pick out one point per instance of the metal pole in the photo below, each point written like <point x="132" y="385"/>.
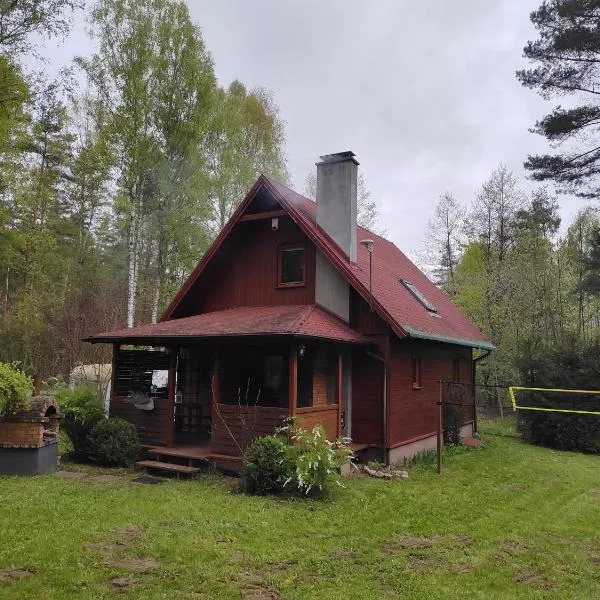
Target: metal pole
<point x="439" y="432"/>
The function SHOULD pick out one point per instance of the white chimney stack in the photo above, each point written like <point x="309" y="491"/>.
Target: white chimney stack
<point x="336" y="199"/>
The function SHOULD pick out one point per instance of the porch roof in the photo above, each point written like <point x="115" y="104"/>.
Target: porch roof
<point x="307" y="321"/>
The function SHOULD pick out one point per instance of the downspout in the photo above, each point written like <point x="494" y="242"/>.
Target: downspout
<point x="473" y="380"/>
<point x="384" y="406"/>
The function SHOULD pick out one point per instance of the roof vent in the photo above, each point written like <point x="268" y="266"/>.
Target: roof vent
<point x="419" y="296"/>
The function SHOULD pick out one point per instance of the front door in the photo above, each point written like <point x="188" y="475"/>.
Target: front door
<point x="192" y="397"/>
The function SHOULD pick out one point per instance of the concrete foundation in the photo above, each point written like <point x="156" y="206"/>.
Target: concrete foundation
<point x="399" y="454"/>
<point x="29" y="461"/>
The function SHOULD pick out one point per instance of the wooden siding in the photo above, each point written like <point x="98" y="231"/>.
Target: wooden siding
<point x="134" y="370"/>
<point x="413" y="413"/>
<point x="234" y="426"/>
<point x="367" y="388"/>
<point x="324" y="378"/>
<point x="245" y="270"/>
<point x="327" y="416"/>
<point x="150" y="424"/>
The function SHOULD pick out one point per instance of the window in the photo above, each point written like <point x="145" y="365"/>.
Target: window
<point x="291" y="266"/>
<point x="419" y="296"/>
<point x="456" y="369"/>
<point x="416" y="372"/>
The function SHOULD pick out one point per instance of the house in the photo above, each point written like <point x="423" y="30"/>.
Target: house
<point x="295" y="311"/>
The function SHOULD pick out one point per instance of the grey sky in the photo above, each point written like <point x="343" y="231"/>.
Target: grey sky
<point x="423" y="92"/>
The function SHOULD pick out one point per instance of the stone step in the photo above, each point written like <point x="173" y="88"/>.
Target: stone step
<point x="164" y="466"/>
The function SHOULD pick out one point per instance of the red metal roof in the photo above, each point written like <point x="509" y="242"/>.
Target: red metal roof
<point x="303" y="321"/>
<point x="394" y="303"/>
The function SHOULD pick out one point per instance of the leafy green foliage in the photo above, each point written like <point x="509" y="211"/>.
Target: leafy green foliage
<point x="15" y="389"/>
<point x="565" y="61"/>
<point x="569" y="365"/>
<point x="113" y="443"/>
<point x="81" y="410"/>
<point x="318" y="461"/>
<point x="268" y="465"/>
<point x="294" y="460"/>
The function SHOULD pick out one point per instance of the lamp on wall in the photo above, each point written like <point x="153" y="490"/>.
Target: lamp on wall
<point x="301" y="351"/>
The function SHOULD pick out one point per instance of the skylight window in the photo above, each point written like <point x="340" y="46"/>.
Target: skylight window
<point x="419" y="296"/>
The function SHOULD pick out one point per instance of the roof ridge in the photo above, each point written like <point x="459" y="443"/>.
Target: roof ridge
<point x="303" y="317"/>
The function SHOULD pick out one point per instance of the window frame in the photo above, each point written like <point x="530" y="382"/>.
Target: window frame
<point x="280" y="250"/>
<point x="416" y="373"/>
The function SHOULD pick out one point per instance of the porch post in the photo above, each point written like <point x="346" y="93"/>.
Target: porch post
<point x="113" y="370"/>
<point x="216" y="380"/>
<point x="293" y="380"/>
<point x="340" y="391"/>
<point x="169" y="416"/>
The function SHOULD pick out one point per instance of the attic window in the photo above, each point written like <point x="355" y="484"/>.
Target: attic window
<point x="291" y="266"/>
<point x="419" y="296"/>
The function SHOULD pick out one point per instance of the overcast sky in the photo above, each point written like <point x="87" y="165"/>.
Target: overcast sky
<point x="423" y="92"/>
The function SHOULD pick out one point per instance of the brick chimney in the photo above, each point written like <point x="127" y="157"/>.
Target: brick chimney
<point x="336" y="199"/>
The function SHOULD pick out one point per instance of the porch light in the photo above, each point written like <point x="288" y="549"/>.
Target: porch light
<point x="301" y="351"/>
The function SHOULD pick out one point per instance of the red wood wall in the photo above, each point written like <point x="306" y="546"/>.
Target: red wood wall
<point x="367" y="388"/>
<point x="413" y="413"/>
<point x="245" y="270"/>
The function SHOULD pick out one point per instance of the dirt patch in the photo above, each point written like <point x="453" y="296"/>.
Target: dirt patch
<point x="462" y="568"/>
<point x="407" y="542"/>
<point x="463" y="540"/>
<point x="70" y="474"/>
<point x="256" y="588"/>
<point x="121" y="583"/>
<point x="14" y="574"/>
<point x="139" y="565"/>
<point x="280" y="566"/>
<point x="422" y="563"/>
<point x="532" y="577"/>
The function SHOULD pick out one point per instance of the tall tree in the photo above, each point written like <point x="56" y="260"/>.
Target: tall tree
<point x="446" y="238"/>
<point x="20" y="19"/>
<point x="566" y="59"/>
<point x="155" y="77"/>
<point x="246" y="138"/>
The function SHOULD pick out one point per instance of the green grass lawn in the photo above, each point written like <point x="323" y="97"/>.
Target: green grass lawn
<point x="505" y="521"/>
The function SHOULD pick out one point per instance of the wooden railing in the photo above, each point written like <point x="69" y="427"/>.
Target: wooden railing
<point x="325" y="415"/>
<point x="235" y="426"/>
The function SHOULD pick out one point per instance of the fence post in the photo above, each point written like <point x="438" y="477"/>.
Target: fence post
<point x="439" y="431"/>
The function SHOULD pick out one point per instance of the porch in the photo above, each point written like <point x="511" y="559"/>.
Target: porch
<point x="199" y="402"/>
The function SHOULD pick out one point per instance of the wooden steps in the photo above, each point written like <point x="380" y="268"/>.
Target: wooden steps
<point x="169" y="467"/>
<point x="188" y="460"/>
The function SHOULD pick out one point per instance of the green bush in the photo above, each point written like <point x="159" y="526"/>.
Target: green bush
<point x="567" y="365"/>
<point x="267" y="465"/>
<point x="113" y="443"/>
<point x="81" y="409"/>
<point x="318" y="461"/>
<point x="15" y="389"/>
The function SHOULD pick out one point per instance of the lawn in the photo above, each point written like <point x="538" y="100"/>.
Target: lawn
<point x="507" y="520"/>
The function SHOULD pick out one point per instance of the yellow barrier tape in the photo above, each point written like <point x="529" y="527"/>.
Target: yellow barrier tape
<point x="559" y="410"/>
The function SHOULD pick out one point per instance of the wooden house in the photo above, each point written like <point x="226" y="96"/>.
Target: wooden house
<point x="295" y="311"/>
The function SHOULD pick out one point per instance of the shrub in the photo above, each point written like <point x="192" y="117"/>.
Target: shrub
<point x="113" y="443"/>
<point x="81" y="409"/>
<point x="570" y="364"/>
<point x="267" y="465"/>
<point x="318" y="461"/>
<point x="15" y="389"/>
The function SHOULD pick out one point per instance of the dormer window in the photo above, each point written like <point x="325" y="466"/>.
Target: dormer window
<point x="292" y="266"/>
<point x="419" y="296"/>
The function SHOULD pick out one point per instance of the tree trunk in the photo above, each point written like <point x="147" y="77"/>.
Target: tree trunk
<point x="132" y="261"/>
